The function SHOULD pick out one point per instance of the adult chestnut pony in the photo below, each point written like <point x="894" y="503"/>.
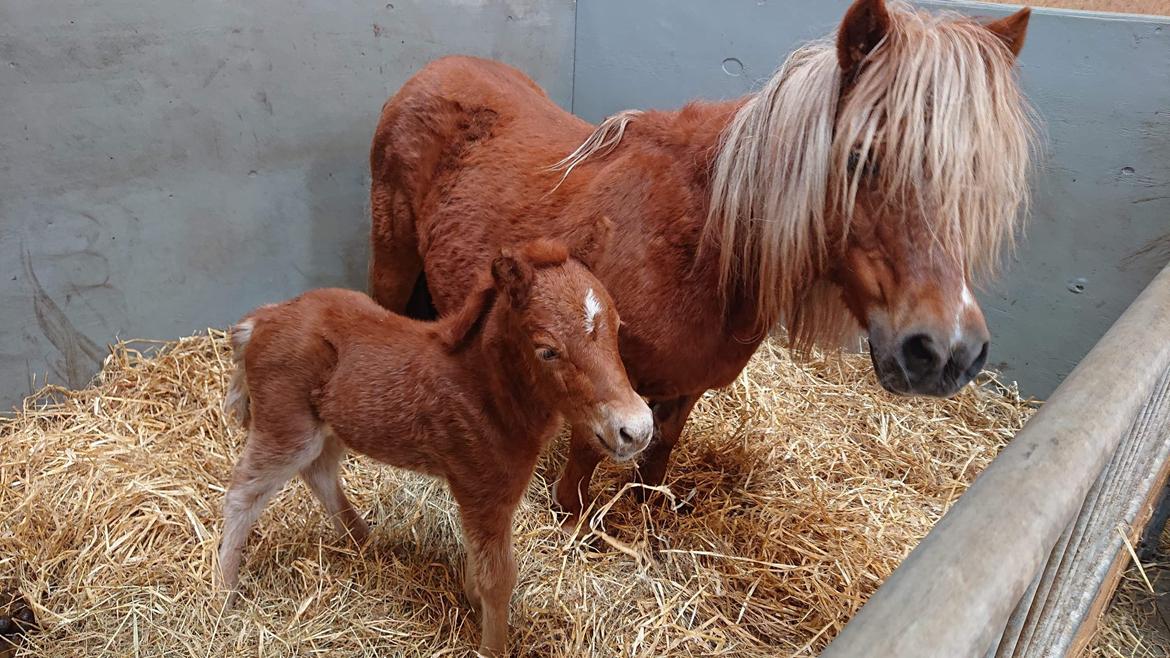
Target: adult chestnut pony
<point x="865" y="186"/>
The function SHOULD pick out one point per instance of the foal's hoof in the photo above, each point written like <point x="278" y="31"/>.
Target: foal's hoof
<point x="233" y="598"/>
<point x="16" y="621"/>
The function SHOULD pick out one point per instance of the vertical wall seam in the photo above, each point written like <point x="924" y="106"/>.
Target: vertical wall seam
<point x="573" y="68"/>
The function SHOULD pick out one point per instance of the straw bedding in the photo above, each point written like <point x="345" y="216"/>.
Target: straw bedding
<point x="1137" y="624"/>
<point x="793" y="494"/>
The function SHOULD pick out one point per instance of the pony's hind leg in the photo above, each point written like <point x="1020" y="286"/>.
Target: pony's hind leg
<point x="572" y="490"/>
<point x="395" y="264"/>
<point x="268" y="462"/>
<point x="322" y="477"/>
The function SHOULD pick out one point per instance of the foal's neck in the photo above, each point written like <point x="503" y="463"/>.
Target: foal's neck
<point x="509" y="388"/>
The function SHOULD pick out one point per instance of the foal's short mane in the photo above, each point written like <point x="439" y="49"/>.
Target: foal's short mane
<point x="935" y="106"/>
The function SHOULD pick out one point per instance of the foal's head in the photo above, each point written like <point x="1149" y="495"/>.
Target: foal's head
<point x="874" y="178"/>
<point x="566" y="328"/>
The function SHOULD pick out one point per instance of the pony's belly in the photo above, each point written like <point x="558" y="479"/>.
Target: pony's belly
<point x="675" y="369"/>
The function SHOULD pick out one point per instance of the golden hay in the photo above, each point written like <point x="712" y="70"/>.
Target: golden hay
<point x="795" y="492"/>
<point x="1133" y="626"/>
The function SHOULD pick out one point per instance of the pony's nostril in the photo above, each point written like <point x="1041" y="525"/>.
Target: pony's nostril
<point x="977" y="365"/>
<point x="918" y="353"/>
<point x="626" y="436"/>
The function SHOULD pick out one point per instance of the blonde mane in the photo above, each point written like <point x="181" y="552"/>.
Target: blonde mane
<point x="935" y="111"/>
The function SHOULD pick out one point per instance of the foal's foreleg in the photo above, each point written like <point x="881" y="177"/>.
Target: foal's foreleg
<point x="491" y="571"/>
<point x="322" y="477"/>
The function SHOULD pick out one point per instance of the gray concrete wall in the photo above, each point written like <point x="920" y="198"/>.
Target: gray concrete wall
<point x="1100" y="227"/>
<point x="165" y="166"/>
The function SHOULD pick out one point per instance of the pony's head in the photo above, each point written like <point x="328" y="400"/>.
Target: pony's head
<point x="872" y="181"/>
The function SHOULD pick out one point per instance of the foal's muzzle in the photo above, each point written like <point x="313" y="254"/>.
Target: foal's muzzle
<point x="624" y="431"/>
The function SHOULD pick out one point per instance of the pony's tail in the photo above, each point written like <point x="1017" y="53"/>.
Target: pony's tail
<point x="238" y="402"/>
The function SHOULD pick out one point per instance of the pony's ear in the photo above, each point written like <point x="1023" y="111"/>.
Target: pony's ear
<point x="593" y="244"/>
<point x="865" y="24"/>
<point x="513" y="276"/>
<point x="1012" y="29"/>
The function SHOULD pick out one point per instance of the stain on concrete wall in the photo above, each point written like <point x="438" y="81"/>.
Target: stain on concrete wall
<point x="165" y="166"/>
<point x="1100" y="221"/>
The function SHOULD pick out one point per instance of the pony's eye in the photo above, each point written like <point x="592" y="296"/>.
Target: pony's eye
<point x="869" y="167"/>
<point x="546" y="354"/>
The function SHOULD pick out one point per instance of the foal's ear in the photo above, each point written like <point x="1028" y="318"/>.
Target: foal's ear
<point x="513" y="277"/>
<point x="1012" y="29"/>
<point x="590" y="247"/>
<point x="865" y="24"/>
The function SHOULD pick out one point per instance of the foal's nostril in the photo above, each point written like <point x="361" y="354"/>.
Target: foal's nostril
<point x="627" y="438"/>
<point x="918" y="354"/>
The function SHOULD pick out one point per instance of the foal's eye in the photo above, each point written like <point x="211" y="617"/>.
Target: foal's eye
<point x="547" y="354"/>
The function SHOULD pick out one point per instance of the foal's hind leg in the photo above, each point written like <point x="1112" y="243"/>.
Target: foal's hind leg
<point x="322" y="478"/>
<point x="268" y="462"/>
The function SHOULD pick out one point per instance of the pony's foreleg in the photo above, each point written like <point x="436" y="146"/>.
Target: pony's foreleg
<point x="572" y="490"/>
<point x="669" y="418"/>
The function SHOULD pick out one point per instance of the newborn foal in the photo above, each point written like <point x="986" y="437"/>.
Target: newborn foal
<point x="472" y="398"/>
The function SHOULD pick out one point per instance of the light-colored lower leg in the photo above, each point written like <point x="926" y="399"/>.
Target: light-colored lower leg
<point x="322" y="477"/>
<point x="470" y="586"/>
<point x="491" y="571"/>
<point x="245" y="500"/>
<point x="495" y="578"/>
<point x="255" y="481"/>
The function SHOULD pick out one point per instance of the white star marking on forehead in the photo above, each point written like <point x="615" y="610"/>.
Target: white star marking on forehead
<point x="967" y="302"/>
<point x="592" y="308"/>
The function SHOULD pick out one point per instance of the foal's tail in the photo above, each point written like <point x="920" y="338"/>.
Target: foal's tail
<point x="238" y="401"/>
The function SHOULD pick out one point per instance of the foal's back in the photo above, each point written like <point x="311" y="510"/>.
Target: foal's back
<point x="333" y="358"/>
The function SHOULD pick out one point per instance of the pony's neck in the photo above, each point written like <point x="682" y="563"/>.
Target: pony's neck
<point x="695" y="133"/>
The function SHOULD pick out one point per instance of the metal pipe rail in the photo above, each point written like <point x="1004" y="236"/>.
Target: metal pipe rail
<point x="954" y="594"/>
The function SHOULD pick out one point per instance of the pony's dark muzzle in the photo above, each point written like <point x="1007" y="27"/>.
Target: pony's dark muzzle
<point x="925" y="364"/>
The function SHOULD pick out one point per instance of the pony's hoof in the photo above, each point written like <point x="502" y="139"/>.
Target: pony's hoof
<point x="575" y="527"/>
<point x="16" y="621"/>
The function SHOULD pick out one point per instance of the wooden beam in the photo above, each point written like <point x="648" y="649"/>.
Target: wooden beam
<point x="954" y="593"/>
<point x="1082" y="573"/>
